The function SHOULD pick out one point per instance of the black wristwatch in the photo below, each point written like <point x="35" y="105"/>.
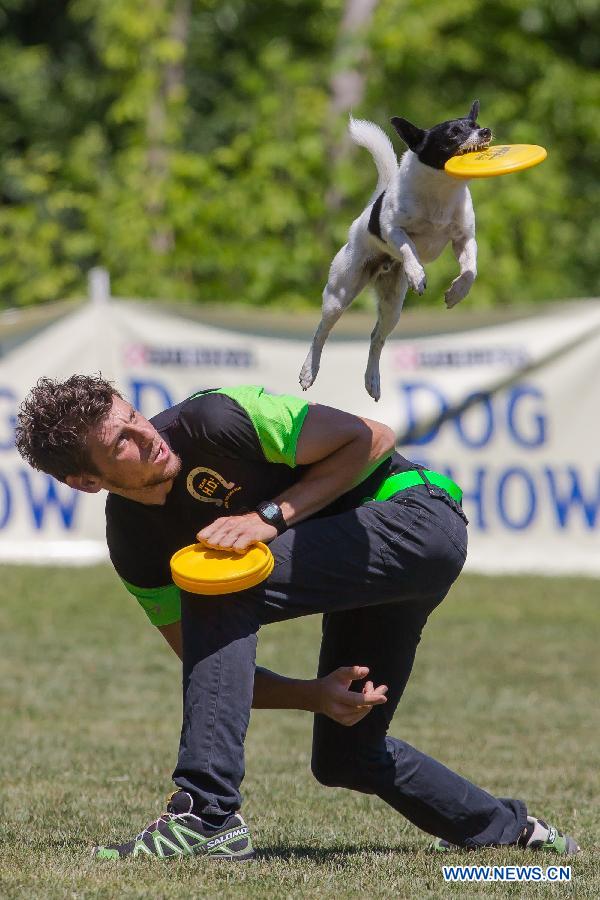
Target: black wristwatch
<point x="270" y="512"/>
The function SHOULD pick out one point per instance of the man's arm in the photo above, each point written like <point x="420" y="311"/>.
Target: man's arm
<point x="330" y="695"/>
<point x="172" y="635"/>
<point x="339" y="450"/>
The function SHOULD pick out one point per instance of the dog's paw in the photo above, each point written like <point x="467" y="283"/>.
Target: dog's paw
<point x="307" y="377"/>
<point x="373" y="384"/>
<point x="459" y="289"/>
<point x="417" y="279"/>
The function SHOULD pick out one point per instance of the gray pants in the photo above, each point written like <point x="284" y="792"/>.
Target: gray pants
<point x="376" y="572"/>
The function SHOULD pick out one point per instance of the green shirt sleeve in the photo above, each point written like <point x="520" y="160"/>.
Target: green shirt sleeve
<point x="276" y="418"/>
<point x="162" y="605"/>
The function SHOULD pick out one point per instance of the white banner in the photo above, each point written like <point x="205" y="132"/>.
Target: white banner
<point x="510" y="411"/>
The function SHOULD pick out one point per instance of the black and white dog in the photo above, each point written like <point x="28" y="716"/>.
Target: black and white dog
<point x="415" y="211"/>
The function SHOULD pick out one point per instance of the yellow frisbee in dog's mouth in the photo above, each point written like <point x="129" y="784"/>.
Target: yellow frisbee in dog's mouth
<point x="500" y="159"/>
<point x="203" y="570"/>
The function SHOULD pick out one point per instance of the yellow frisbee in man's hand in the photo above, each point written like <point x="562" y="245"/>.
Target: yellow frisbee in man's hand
<point x="500" y="159"/>
<point x="204" y="570"/>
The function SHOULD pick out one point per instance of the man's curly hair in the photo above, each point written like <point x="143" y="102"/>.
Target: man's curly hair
<point x="55" y="419"/>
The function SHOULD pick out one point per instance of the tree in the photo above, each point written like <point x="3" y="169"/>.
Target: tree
<point x="197" y="149"/>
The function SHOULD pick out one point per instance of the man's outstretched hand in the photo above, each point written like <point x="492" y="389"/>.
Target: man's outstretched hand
<point x="336" y="700"/>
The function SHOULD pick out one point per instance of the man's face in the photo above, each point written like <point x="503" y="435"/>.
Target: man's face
<point x="128" y="451"/>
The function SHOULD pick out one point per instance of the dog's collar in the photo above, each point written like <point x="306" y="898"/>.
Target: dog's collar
<point x="374" y="225"/>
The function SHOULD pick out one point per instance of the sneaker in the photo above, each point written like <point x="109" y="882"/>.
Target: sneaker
<point x="536" y="835"/>
<point x="442" y="846"/>
<point x="178" y="832"/>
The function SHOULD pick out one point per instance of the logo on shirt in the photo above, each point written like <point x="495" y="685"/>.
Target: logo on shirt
<point x="208" y="486"/>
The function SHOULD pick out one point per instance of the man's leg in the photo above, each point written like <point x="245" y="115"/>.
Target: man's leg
<point x="219" y="649"/>
<point x="219" y="645"/>
<point x="377" y="553"/>
<point x="363" y="758"/>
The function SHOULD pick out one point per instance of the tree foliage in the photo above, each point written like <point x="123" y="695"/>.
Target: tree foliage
<point x="186" y="145"/>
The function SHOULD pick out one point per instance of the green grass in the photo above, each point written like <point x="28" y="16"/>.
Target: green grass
<point x="505" y="690"/>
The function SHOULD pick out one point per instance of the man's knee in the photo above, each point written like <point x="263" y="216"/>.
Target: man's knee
<point x="325" y="770"/>
<point x="348" y="771"/>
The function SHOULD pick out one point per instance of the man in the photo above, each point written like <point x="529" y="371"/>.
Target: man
<point x="357" y="532"/>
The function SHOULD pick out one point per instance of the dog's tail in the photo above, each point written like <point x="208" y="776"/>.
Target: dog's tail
<point x="372" y="138"/>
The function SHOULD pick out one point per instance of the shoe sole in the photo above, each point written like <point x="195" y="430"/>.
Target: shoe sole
<point x="573" y="848"/>
<point x="247" y="857"/>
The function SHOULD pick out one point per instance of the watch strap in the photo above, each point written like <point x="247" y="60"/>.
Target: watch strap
<point x="275" y="519"/>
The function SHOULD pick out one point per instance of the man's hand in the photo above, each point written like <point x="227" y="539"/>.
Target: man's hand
<point x="336" y="700"/>
<point x="237" y="532"/>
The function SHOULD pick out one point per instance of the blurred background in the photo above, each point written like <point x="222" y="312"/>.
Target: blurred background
<point x="197" y="149"/>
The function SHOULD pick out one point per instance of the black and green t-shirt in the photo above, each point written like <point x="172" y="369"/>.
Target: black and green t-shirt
<point x="237" y="447"/>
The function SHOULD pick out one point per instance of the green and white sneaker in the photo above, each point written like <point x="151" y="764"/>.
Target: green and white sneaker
<point x="536" y="835"/>
<point x="440" y="845"/>
<point x="178" y="832"/>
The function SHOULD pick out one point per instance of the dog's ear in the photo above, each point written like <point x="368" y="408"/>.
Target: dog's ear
<point x="474" y="114"/>
<point x="410" y="134"/>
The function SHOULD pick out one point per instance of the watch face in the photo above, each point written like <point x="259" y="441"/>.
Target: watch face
<point x="270" y="510"/>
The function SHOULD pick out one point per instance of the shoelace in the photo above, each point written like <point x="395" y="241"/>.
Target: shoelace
<point x="166" y="817"/>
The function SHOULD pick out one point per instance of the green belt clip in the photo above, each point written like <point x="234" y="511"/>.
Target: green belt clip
<point x="401" y="481"/>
